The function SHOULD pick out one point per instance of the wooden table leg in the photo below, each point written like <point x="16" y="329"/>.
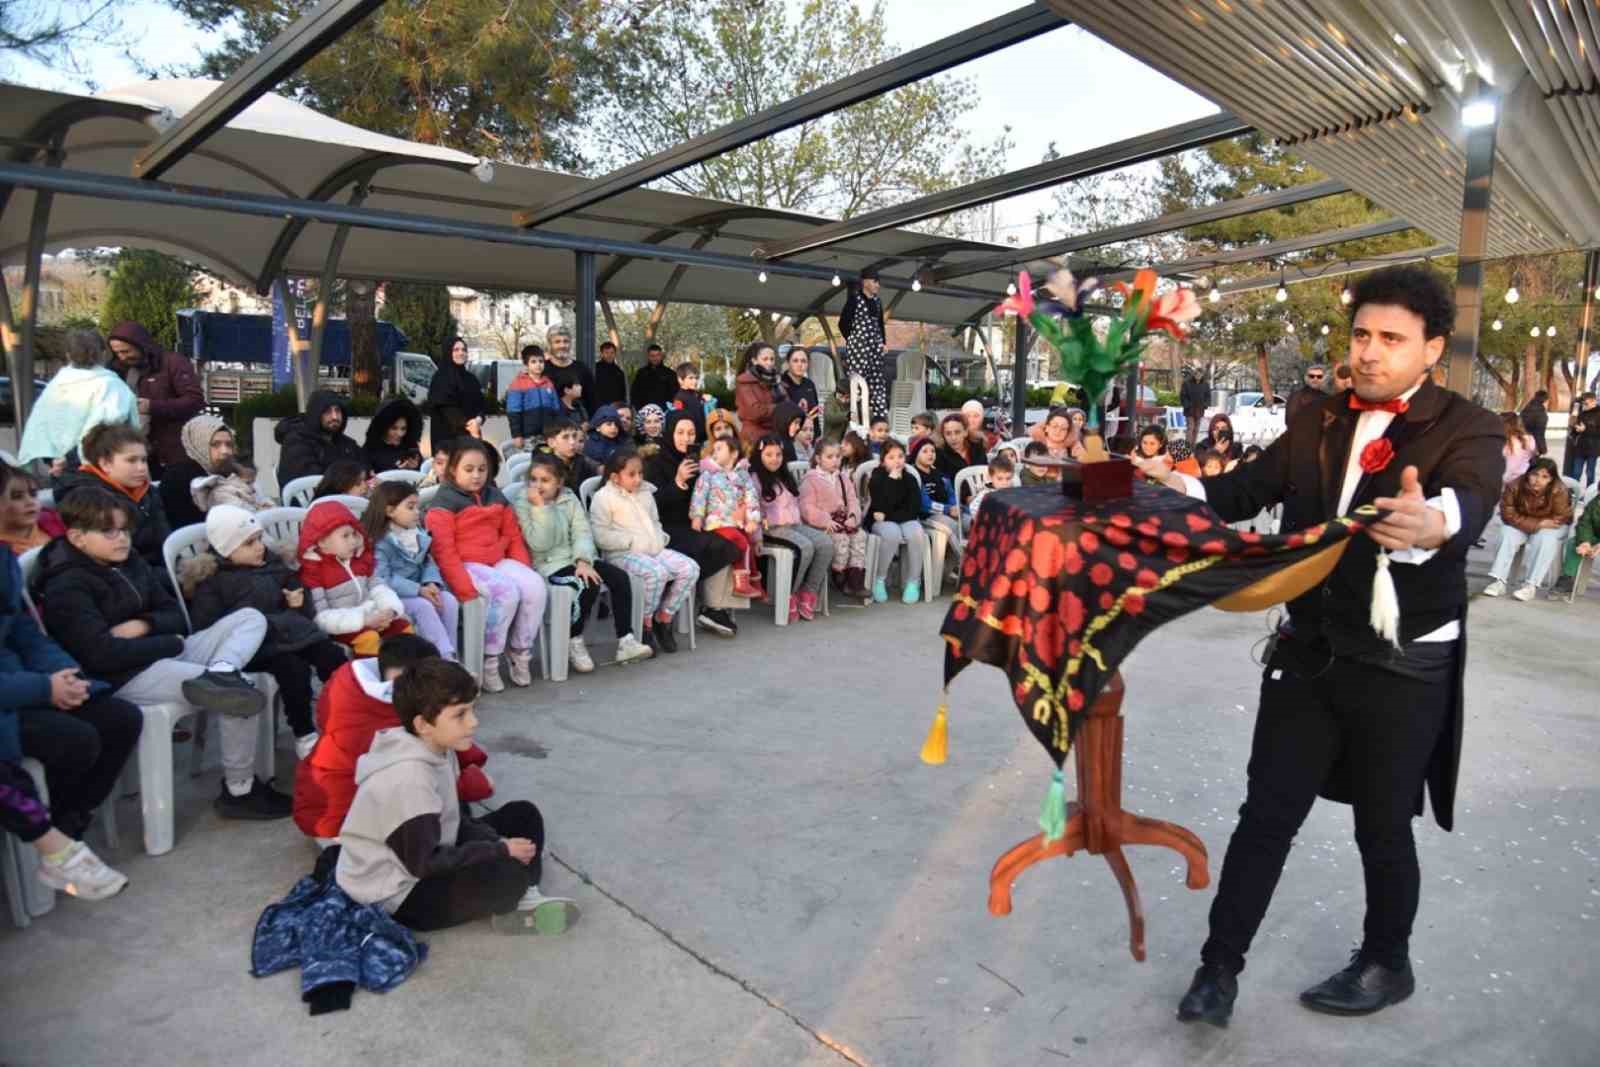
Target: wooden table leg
<point x="1097" y="823"/>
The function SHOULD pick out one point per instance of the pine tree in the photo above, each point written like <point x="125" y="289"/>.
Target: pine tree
<point x="422" y="312"/>
<point x="149" y="288"/>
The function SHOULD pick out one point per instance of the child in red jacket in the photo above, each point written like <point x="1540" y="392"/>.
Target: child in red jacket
<point x="351" y="604"/>
<point x="356" y="703"/>
<point x="479" y="548"/>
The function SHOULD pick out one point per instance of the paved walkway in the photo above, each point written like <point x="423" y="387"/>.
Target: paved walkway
<point x="771" y="877"/>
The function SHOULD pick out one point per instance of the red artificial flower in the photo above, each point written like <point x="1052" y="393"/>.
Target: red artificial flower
<point x="1376" y="455"/>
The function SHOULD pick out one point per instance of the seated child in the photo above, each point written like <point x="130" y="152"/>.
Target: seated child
<point x="531" y="400"/>
<point x="23" y="523"/>
<point x="877" y="434"/>
<point x="433" y="470"/>
<point x="939" y="506"/>
<point x="556" y="529"/>
<point x="606" y="434"/>
<point x="652" y="420"/>
<point x="627" y="529"/>
<point x="65" y="865"/>
<point x="805" y="443"/>
<point x="688" y="398"/>
<point x="240" y="570"/>
<point x="356" y="703"/>
<point x="1001" y="473"/>
<point x="828" y="503"/>
<point x="392" y="525"/>
<point x="406" y="844"/>
<point x="924" y="424"/>
<point x="723" y="424"/>
<point x="113" y="615"/>
<point x="115" y="459"/>
<point x="233" y="483"/>
<point x="725" y="503"/>
<point x="344" y="477"/>
<point x="780" y="517"/>
<point x="479" y="549"/>
<point x="896" y="505"/>
<point x="564" y="441"/>
<point x="569" y="397"/>
<point x="853" y="452"/>
<point x="1152" y="441"/>
<point x="1034" y="473"/>
<point x="1209" y="462"/>
<point x="338" y="567"/>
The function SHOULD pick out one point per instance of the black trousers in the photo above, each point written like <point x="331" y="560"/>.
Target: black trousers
<point x="292" y="672"/>
<point x="1383" y="728"/>
<point x="83" y="751"/>
<point x="615" y="579"/>
<point x="483" y="889"/>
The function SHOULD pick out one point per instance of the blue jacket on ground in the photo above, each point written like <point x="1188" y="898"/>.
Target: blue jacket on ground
<point x="336" y="943"/>
<point x="405" y="573"/>
<point x="28" y="657"/>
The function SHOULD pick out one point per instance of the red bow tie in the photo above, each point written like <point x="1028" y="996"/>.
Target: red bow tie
<point x="1395" y="406"/>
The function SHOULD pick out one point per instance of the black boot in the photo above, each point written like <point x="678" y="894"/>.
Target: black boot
<point x="666" y="640"/>
<point x="1211" y="995"/>
<point x="1362" y="988"/>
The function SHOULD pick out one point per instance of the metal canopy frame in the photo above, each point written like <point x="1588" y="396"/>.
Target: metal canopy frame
<point x="1274" y="249"/>
<point x="1294" y="275"/>
<point x="292" y="49"/>
<point x="1123" y="153"/>
<point x="1020" y="25"/>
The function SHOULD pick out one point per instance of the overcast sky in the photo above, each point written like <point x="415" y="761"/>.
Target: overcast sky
<point x="1109" y="96"/>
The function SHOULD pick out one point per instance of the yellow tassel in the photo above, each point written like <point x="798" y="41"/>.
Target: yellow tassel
<point x="937" y="746"/>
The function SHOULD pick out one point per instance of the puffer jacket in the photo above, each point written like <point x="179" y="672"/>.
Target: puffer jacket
<point x="826" y="499"/>
<point x="169" y="382"/>
<point x="723" y="497"/>
<point x="82" y="600"/>
<point x="557" y="534"/>
<point x="400" y="570"/>
<point x="214" y="490"/>
<point x="783" y="509"/>
<point x="150" y="525"/>
<point x="337" y="944"/>
<point x="530" y="403"/>
<point x="471" y="528"/>
<point x="599" y="448"/>
<point x="1524" y="509"/>
<point x="380" y="454"/>
<point x="342" y="593"/>
<point x="307" y="448"/>
<point x="215" y="588"/>
<point x="626" y="522"/>
<point x="28" y="657"/>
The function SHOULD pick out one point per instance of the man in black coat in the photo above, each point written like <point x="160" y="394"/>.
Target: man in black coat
<point x="1309" y="395"/>
<point x="655" y="382"/>
<point x="563" y="369"/>
<point x="1343" y="712"/>
<point x="313" y="442"/>
<point x="1195" y="398"/>
<point x="610" y="383"/>
<point x="1536" y="419"/>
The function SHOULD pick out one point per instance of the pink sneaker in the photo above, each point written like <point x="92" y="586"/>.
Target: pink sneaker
<point x="805" y="602"/>
<point x="794" y="606"/>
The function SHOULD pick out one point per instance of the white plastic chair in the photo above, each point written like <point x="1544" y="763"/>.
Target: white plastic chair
<point x="971" y="479"/>
<point x="780" y="582"/>
<point x="27" y="898"/>
<point x="46" y="498"/>
<point x="426" y="494"/>
<point x="357" y="504"/>
<point x="282" y="524"/>
<point x="588" y="488"/>
<point x="297" y="494"/>
<point x="413" y="477"/>
<point x="515" y="468"/>
<point x="799" y="468"/>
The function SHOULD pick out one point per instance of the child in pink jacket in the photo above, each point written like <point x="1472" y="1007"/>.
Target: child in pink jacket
<point x="828" y="502"/>
<point x="780" y="510"/>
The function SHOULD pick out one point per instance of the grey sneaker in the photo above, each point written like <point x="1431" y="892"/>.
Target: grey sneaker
<point x="1525" y="593"/>
<point x="225" y="691"/>
<point x="1495" y="588"/>
<point x="82" y="874"/>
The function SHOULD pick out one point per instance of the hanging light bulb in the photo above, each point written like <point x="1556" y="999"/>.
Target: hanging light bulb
<point x="1011" y="288"/>
<point x="1512" y="296"/>
<point x="1281" y="295"/>
<point x="1215" y="296"/>
<point x="916" y="285"/>
<point x="1289" y="328"/>
<point x="1534" y="332"/>
<point x="1324" y="329"/>
<point x="1344" y="296"/>
<point x="836" y="281"/>
<point x="1549" y="331"/>
<point x="762" y="277"/>
<point x="1496" y="325"/>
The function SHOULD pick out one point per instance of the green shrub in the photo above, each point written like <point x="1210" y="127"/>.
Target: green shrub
<point x="149" y="288"/>
<point x="282" y="403"/>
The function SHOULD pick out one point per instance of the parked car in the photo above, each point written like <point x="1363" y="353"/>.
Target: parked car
<point x="8" y="410"/>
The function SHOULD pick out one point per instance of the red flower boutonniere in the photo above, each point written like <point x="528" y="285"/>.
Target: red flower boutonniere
<point x="1376" y="455"/>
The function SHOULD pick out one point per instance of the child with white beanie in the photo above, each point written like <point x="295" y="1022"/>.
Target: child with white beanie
<point x="241" y="570"/>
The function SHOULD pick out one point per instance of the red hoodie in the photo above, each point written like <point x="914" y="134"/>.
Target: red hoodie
<point x="354" y="705"/>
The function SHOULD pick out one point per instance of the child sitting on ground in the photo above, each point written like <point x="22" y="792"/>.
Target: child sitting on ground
<point x="110" y="611"/>
<point x="606" y="435"/>
<point x="354" y="705"/>
<point x="1001" y="473"/>
<point x="480" y="552"/>
<point x="780" y="514"/>
<point x="345" y="477"/>
<point x="688" y="398"/>
<point x="628" y="531"/>
<point x="725" y="503"/>
<point x="116" y="459"/>
<point x="877" y="434"/>
<point x="564" y="441"/>
<point x="338" y="566"/>
<point x="531" y="400"/>
<point x="828" y="502"/>
<point x="557" y="533"/>
<point x="392" y="525"/>
<point x="1035" y="473"/>
<point x="896" y="505"/>
<point x="406" y="844"/>
<point x="240" y="570"/>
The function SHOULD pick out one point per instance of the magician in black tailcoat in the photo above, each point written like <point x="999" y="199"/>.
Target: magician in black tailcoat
<point x="1344" y="713"/>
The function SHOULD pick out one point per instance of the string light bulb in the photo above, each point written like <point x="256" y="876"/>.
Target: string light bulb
<point x="1215" y="296"/>
<point x="916" y="285"/>
<point x="1497" y="325"/>
<point x="1289" y="328"/>
<point x="1281" y="295"/>
<point x="1534" y="332"/>
<point x="836" y="282"/>
<point x="1512" y="296"/>
<point x="762" y="277"/>
<point x="1011" y="288"/>
<point x="1549" y="331"/>
<point x="1345" y="297"/>
<point x="1324" y="329"/>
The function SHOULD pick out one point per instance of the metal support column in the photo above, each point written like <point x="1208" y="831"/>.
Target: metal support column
<point x="583" y="329"/>
<point x="305" y="368"/>
<point x="1463" y="347"/>
<point x="1591" y="281"/>
<point x="28" y="318"/>
<point x="330" y="274"/>
<point x="1019" y="378"/>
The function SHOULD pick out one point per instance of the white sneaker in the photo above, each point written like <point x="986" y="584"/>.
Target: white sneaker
<point x="578" y="656"/>
<point x="518" y="666"/>
<point x="1525" y="593"/>
<point x="304" y="745"/>
<point x="630" y="648"/>
<point x="492" y="682"/>
<point x="538" y="914"/>
<point x="82" y="874"/>
<point x="1495" y="588"/>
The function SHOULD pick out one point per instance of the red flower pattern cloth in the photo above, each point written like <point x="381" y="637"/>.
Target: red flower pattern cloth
<point x="1057" y="592"/>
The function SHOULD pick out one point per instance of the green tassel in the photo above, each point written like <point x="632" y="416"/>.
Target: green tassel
<point x="1053" y="812"/>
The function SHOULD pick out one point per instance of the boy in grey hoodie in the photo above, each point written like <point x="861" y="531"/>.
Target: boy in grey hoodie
<point x="411" y="848"/>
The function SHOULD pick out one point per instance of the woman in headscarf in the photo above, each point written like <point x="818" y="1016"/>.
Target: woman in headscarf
<point x="393" y="437"/>
<point x="755" y="392"/>
<point x="1221" y="440"/>
<point x="455" y="397"/>
<point x="207" y="442"/>
<point x="674" y="471"/>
